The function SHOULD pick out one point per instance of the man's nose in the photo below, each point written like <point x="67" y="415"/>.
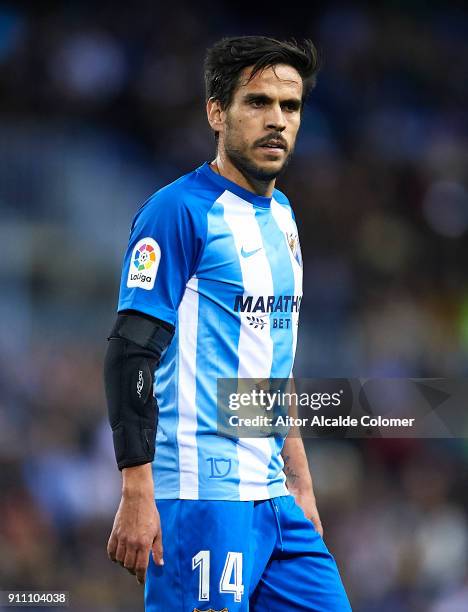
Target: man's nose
<point x="275" y="118"/>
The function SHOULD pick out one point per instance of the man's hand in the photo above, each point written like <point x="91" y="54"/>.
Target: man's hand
<point x="306" y="500"/>
<point x="137" y="528"/>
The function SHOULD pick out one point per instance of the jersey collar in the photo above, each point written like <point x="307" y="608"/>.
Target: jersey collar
<point x="224" y="183"/>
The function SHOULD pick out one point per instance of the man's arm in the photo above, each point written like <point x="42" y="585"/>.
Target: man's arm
<point x="296" y="468"/>
<point x="135" y="347"/>
<point x="299" y="479"/>
<point x="165" y="244"/>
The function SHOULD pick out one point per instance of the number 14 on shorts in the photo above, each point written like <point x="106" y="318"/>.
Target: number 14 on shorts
<point x="231" y="577"/>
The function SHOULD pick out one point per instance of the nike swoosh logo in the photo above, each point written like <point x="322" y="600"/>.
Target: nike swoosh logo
<point x="249" y="253"/>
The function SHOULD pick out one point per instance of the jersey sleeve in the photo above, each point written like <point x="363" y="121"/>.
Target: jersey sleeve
<point x="165" y="245"/>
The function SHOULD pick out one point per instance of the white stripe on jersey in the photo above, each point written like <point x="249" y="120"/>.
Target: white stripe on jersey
<point x="187" y="426"/>
<point x="255" y="349"/>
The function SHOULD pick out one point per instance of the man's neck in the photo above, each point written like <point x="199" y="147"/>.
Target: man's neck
<point x="225" y="168"/>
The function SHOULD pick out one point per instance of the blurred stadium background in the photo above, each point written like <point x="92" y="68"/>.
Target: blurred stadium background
<point x="100" y="105"/>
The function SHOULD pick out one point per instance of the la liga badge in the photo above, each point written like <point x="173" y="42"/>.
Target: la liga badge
<point x="144" y="264"/>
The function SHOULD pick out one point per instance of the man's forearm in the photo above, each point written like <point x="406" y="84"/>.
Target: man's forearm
<point x="296" y="466"/>
<point x="299" y="479"/>
<point x="136" y="343"/>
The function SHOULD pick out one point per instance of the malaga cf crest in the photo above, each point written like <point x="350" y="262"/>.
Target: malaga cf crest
<point x="293" y="242"/>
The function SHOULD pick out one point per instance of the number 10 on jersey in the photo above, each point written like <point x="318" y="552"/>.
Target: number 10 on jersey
<point x="232" y="571"/>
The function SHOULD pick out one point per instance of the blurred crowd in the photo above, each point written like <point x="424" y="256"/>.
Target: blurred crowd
<point x="103" y="104"/>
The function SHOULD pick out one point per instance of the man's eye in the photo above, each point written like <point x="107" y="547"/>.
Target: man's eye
<point x="257" y="103"/>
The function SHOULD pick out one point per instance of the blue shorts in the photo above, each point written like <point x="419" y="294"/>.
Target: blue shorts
<point x="262" y="556"/>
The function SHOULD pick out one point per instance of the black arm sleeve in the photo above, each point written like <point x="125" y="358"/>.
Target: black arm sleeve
<point x="136" y="344"/>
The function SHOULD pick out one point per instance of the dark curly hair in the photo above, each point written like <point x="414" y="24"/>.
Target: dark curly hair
<point x="226" y="59"/>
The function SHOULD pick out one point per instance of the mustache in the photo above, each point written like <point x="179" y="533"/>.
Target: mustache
<point x="272" y="139"/>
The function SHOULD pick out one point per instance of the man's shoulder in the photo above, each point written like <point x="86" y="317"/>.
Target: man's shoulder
<point x="189" y="194"/>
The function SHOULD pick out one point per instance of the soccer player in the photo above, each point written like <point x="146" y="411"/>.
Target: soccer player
<point x="211" y="288"/>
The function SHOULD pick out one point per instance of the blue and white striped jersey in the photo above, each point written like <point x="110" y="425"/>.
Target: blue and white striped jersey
<point x="224" y="266"/>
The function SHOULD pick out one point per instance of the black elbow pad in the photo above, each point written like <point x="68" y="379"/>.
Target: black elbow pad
<point x="136" y="344"/>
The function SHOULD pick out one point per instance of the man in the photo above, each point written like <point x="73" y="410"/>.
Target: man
<point x="211" y="287"/>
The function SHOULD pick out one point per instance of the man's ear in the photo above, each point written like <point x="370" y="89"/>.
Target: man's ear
<point x="215" y="114"/>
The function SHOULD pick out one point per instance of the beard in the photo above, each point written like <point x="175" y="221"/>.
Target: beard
<point x="238" y="156"/>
